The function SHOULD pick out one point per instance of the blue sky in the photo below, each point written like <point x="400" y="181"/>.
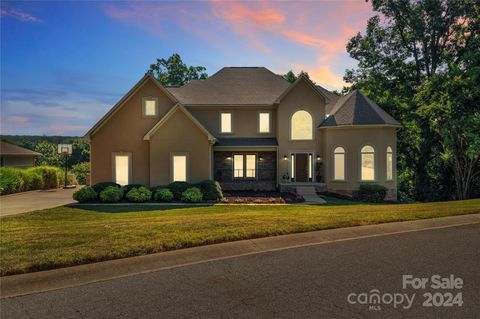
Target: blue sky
<point x="64" y="64"/>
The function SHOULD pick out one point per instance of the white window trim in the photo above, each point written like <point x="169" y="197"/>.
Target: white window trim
<point x="344" y="164"/>
<point x="144" y="107"/>
<point x="187" y="164"/>
<point x="245" y="166"/>
<point x="291" y="127"/>
<point x="386" y="164"/>
<point x="232" y="129"/>
<point x="269" y="122"/>
<point x="375" y="164"/>
<point x="130" y="166"/>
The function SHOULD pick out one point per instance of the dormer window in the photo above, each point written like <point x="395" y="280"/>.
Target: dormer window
<point x="150" y="106"/>
<point x="226" y="122"/>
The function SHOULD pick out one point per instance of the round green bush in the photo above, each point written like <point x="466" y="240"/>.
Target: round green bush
<point x="85" y="194"/>
<point x="129" y="187"/>
<point x="372" y="192"/>
<point x="99" y="187"/>
<point x="111" y="194"/>
<point x="192" y="195"/>
<point x="139" y="195"/>
<point x="177" y="189"/>
<point x="211" y="190"/>
<point x="163" y="195"/>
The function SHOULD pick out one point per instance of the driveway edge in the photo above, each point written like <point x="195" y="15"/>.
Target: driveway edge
<point x="24" y="284"/>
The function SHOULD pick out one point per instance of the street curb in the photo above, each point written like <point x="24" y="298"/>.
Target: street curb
<point x="24" y="284"/>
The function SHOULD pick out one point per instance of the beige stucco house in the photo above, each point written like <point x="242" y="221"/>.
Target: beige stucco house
<point x="12" y="155"/>
<point x="247" y="128"/>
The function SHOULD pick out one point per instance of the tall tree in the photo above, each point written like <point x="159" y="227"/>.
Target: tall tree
<point x="172" y="71"/>
<point x="403" y="48"/>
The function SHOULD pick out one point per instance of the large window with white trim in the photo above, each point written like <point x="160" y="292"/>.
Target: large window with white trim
<point x="339" y="164"/>
<point x="179" y="168"/>
<point x="226" y="122"/>
<point x="121" y="169"/>
<point x="367" y="157"/>
<point x="244" y="166"/>
<point x="301" y="126"/>
<point x="264" y="122"/>
<point x="389" y="164"/>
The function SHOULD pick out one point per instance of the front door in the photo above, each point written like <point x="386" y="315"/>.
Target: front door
<point x="301" y="167"/>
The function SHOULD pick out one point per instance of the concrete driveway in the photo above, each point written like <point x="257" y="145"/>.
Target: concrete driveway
<point x="35" y="200"/>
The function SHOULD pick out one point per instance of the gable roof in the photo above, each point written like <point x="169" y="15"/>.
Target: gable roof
<point x="7" y="148"/>
<point x="303" y="78"/>
<point x="357" y="109"/>
<point x="125" y="98"/>
<point x="164" y="119"/>
<point x="233" y="86"/>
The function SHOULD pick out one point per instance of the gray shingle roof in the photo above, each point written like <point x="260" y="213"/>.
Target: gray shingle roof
<point x="234" y="86"/>
<point x="357" y="109"/>
<point x="247" y="141"/>
<point x="12" y="149"/>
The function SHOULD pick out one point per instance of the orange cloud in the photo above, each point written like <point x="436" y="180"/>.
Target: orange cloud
<point x="324" y="76"/>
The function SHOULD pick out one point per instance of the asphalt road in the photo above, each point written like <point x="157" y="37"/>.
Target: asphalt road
<point x="307" y="282"/>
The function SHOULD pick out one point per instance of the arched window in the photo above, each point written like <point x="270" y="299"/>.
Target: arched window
<point x="339" y="164"/>
<point x="301" y="126"/>
<point x="367" y="163"/>
<point x="389" y="164"/>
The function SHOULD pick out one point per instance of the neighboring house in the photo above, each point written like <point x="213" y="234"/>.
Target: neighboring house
<point x="247" y="128"/>
<point x="12" y="155"/>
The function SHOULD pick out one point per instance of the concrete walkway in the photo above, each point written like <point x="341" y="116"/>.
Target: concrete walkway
<point x="24" y="284"/>
<point x="29" y="201"/>
<point x="310" y="195"/>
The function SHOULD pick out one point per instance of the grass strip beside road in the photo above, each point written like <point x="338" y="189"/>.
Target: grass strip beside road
<point x="67" y="236"/>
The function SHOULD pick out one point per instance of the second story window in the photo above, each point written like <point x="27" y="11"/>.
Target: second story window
<point x="225" y="122"/>
<point x="150" y="106"/>
<point x="264" y="122"/>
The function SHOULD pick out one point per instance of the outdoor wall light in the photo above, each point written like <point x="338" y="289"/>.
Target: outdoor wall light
<point x="260" y="158"/>
<point x="285" y="157"/>
<point x="319" y="158"/>
<point x="229" y="158"/>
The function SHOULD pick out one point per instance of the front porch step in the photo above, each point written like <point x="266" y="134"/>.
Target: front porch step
<point x="310" y="195"/>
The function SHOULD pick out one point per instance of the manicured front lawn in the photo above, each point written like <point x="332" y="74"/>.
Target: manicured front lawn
<point x="66" y="236"/>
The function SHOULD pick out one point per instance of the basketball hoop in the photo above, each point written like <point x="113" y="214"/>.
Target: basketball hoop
<point x="65" y="150"/>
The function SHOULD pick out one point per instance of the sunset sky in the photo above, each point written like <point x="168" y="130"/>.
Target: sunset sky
<point x="64" y="64"/>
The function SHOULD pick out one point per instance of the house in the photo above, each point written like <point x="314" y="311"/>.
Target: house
<point x="249" y="129"/>
<point x="12" y="155"/>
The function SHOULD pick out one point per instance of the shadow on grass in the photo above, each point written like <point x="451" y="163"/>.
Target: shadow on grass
<point x="133" y="208"/>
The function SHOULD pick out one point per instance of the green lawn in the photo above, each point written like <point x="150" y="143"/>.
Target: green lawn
<point x="66" y="236"/>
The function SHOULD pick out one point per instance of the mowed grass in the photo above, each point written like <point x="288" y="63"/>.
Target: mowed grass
<point x="66" y="236"/>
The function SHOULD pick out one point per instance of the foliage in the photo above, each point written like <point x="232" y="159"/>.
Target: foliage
<point x="372" y="193"/>
<point x="139" y="194"/>
<point x="14" y="180"/>
<point x="211" y="190"/>
<point x="111" y="194"/>
<point x="172" y="71"/>
<point x="85" y="194"/>
<point x="177" y="188"/>
<point x="292" y="77"/>
<point x="163" y="195"/>
<point x="99" y="187"/>
<point x="192" y="195"/>
<point x="408" y="61"/>
<point x="129" y="187"/>
<point x="49" y="155"/>
<point x="81" y="172"/>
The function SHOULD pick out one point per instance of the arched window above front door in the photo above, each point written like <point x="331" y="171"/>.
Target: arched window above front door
<point x="301" y="126"/>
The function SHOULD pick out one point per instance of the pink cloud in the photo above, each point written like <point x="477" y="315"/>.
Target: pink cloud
<point x="65" y="129"/>
<point x="18" y="121"/>
<point x="20" y="15"/>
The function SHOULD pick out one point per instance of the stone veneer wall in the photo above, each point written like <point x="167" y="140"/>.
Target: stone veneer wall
<point x="266" y="171"/>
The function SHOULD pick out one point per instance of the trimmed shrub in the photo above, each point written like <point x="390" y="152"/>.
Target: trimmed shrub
<point x="192" y="195"/>
<point x="111" y="194"/>
<point x="85" y="194"/>
<point x="52" y="177"/>
<point x="177" y="189"/>
<point x="129" y="187"/>
<point x="139" y="195"/>
<point x="81" y="171"/>
<point x="372" y="192"/>
<point x="11" y="180"/>
<point x="211" y="190"/>
<point x="99" y="187"/>
<point x="163" y="195"/>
